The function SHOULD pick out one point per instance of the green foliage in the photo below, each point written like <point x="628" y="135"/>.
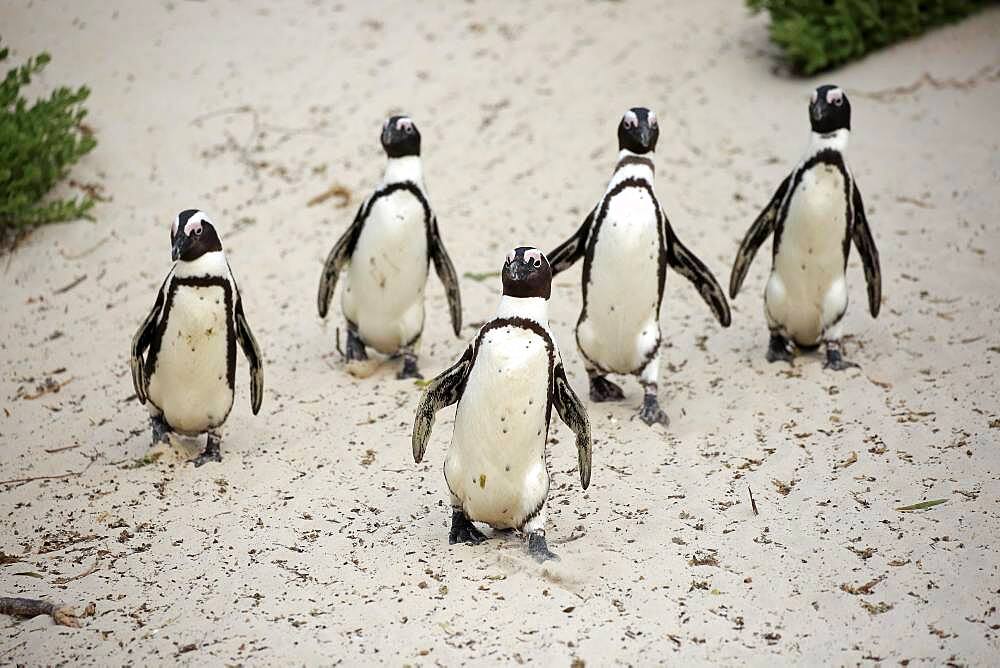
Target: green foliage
<point x="819" y="34"/>
<point x="38" y="144"/>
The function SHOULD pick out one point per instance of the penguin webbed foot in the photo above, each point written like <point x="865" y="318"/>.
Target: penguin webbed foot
<point x="409" y="369"/>
<point x="779" y="349"/>
<point x="539" y="549"/>
<point x="212" y="453"/>
<point x="602" y="389"/>
<point x="161" y="430"/>
<point x="463" y="530"/>
<point x="354" y="351"/>
<point x="835" y="359"/>
<point x="651" y="413"/>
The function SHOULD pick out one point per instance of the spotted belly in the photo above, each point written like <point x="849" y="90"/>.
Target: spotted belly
<point x="619" y="328"/>
<point x="495" y="466"/>
<point x="190" y="383"/>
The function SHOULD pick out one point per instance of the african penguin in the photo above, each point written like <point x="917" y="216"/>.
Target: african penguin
<point x="815" y="214"/>
<point x="627" y="243"/>
<point x="385" y="255"/>
<point x="505" y="385"/>
<point x="189" y="339"/>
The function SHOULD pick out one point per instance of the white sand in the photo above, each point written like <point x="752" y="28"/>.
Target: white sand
<point x="317" y="540"/>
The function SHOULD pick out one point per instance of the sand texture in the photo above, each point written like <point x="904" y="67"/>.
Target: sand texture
<point x="317" y="540"/>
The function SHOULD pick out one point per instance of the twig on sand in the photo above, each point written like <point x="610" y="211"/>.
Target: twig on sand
<point x="71" y="474"/>
<point x="753" y="504"/>
<point x="984" y="75"/>
<point x="67" y="288"/>
<point x="49" y="387"/>
<point x="67" y="447"/>
<point x="32" y="607"/>
<point x="84" y="253"/>
<point x="89" y="571"/>
<point x="336" y="190"/>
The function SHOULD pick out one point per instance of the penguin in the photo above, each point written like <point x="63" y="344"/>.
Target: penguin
<point x="815" y="214"/>
<point x="189" y="338"/>
<point x="505" y="386"/>
<point x="627" y="243"/>
<point x="385" y="254"/>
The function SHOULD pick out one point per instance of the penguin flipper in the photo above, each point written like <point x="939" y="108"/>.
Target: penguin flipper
<point x="571" y="250"/>
<point x="446" y="273"/>
<point x="863" y="239"/>
<point x="444" y="390"/>
<point x="339" y="255"/>
<point x="761" y="229"/>
<point x="573" y="413"/>
<point x="141" y="341"/>
<point x="250" y="348"/>
<point x="685" y="263"/>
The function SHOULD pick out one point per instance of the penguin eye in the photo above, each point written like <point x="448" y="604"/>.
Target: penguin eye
<point x="197" y="231"/>
<point x="537" y="263"/>
<point x="838" y="101"/>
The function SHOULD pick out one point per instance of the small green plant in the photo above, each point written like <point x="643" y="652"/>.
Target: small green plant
<point x="819" y="34"/>
<point x="38" y="144"/>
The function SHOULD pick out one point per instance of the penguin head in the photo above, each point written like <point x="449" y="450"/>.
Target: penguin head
<point x="829" y="110"/>
<point x="400" y="137"/>
<point x="192" y="235"/>
<point x="638" y="131"/>
<point x="527" y="273"/>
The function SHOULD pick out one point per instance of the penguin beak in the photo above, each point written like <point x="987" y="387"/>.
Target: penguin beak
<point x="816" y="111"/>
<point x="519" y="269"/>
<point x="645" y="134"/>
<point x="181" y="244"/>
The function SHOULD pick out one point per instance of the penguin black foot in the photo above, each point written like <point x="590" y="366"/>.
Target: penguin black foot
<point x="355" y="349"/>
<point x="161" y="430"/>
<point x="602" y="389"/>
<point x="835" y="360"/>
<point x="779" y="349"/>
<point x="409" y="369"/>
<point x="651" y="413"/>
<point x="212" y="453"/>
<point x="539" y="549"/>
<point x="463" y="531"/>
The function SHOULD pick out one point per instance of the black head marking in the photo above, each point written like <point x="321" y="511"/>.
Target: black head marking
<point x="527" y="273"/>
<point x="400" y="137"/>
<point x="192" y="235"/>
<point x="638" y="130"/>
<point x="829" y="110"/>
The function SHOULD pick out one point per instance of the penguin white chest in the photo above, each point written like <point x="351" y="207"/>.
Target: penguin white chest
<point x="620" y="325"/>
<point x="190" y="382"/>
<point x="807" y="290"/>
<point x="384" y="284"/>
<point x="496" y="463"/>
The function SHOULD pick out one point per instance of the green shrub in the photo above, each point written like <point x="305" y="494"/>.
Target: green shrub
<point x="38" y="144"/>
<point x="819" y="34"/>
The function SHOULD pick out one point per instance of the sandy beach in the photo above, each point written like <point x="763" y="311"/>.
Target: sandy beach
<point x="317" y="540"/>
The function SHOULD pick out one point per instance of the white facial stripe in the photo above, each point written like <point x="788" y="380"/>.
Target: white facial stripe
<point x="194" y="223"/>
<point x="511" y="255"/>
<point x="404" y="123"/>
<point x="651" y="117"/>
<point x="630" y="120"/>
<point x="834" y="96"/>
<point x="815" y="96"/>
<point x="533" y="256"/>
<point x="173" y="228"/>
